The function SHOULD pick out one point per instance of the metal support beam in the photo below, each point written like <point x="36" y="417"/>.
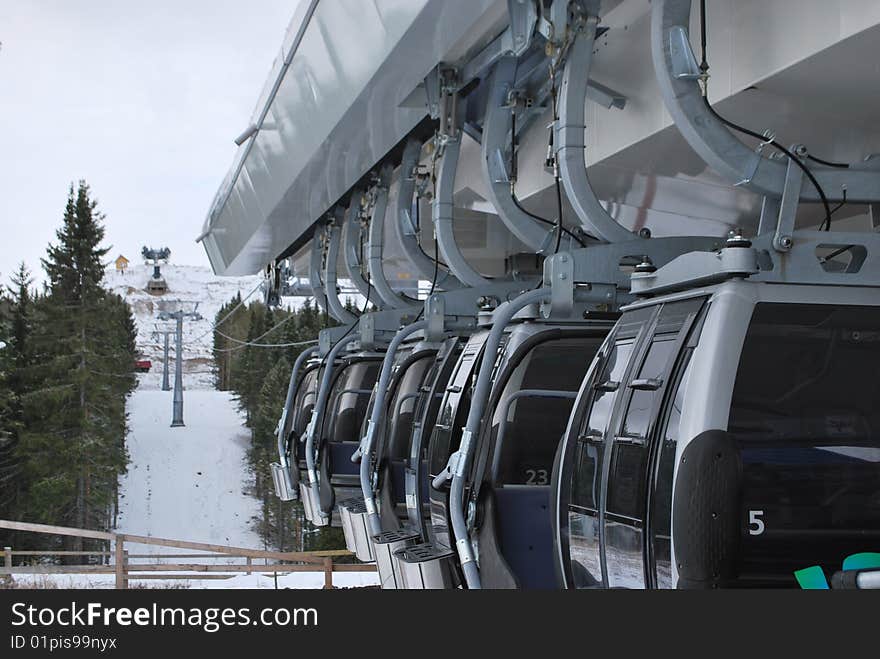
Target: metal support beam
<point x="377" y="242"/>
<point x="286" y="480"/>
<point x="352" y="234"/>
<point x="378" y="410"/>
<point x="315" y="272"/>
<point x="333" y="236"/>
<point x="405" y="226"/>
<point x="496" y="143"/>
<point x="569" y="137"/>
<point x="442" y="214"/>
<point x="318" y="413"/>
<point x="791" y="194"/>
<point x="678" y="78"/>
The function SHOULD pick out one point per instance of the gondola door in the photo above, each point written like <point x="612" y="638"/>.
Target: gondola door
<point x="629" y="448"/>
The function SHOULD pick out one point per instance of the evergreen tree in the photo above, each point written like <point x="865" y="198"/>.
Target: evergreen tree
<point x="259" y="376"/>
<point x="19" y="335"/>
<point x="8" y="430"/>
<point x="82" y="356"/>
<point x="14" y="362"/>
<point x="276" y="520"/>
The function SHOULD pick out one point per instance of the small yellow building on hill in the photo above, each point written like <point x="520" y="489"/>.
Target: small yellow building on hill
<point x="121" y="264"/>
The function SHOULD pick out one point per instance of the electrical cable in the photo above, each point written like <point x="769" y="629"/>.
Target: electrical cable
<point x="704" y="68"/>
<point x="434" y="280"/>
<point x="513" y="175"/>
<point x="256" y="339"/>
<point x="436" y="258"/>
<point x="828" y="163"/>
<point x="267" y="345"/>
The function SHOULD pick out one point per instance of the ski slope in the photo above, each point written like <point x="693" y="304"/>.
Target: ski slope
<point x="188" y="483"/>
<point x="188" y="284"/>
<point x="193" y="482"/>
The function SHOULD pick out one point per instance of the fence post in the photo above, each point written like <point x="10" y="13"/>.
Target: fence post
<point x="7" y="553"/>
<point x="121" y="583"/>
<point x="125" y="567"/>
<point x="250" y="562"/>
<point x="328" y="573"/>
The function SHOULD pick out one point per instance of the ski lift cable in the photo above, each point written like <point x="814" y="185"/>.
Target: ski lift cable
<point x="227" y="316"/>
<point x="254" y="341"/>
<point x="269" y="345"/>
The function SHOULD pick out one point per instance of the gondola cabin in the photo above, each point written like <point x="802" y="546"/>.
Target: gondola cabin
<point x="728" y="434"/>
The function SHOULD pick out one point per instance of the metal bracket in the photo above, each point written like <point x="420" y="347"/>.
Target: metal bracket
<point x="684" y="62"/>
<point x="758" y="159"/>
<point x="467" y="438"/>
<point x="435" y="314"/>
<point x="791" y="194"/>
<point x="432" y="92"/>
<point x="465" y="551"/>
<point x="448" y="105"/>
<point x="367" y="327"/>
<point x="559" y="273"/>
<point x="697" y="269"/>
<point x="523" y="18"/>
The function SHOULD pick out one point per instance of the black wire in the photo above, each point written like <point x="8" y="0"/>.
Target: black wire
<point x="758" y="136"/>
<point x="841" y="204"/>
<point x="436" y="269"/>
<point x="513" y="172"/>
<point x="556" y="164"/>
<point x="436" y="258"/>
<point x="341" y="338"/>
<point x="704" y="65"/>
<point x="828" y="163"/>
<point x="434" y="280"/>
<point x="559" y="210"/>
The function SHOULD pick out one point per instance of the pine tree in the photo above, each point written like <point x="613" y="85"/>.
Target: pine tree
<point x="263" y="449"/>
<point x="19" y="336"/>
<point x="82" y="352"/>
<point x="259" y="377"/>
<point x="14" y="362"/>
<point x="8" y="430"/>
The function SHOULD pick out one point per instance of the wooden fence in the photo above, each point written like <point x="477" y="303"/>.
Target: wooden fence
<point x="124" y="569"/>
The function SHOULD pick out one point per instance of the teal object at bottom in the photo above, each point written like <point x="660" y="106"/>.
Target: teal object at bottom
<point x="812" y="578"/>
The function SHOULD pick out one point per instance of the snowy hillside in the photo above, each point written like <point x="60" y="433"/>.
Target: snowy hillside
<point x="187" y="483"/>
<point x="189" y="284"/>
<point x="190" y="483"/>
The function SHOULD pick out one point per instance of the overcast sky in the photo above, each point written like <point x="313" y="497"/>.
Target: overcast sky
<point x="141" y="99"/>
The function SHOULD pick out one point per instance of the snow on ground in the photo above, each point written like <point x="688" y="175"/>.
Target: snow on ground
<point x="240" y="581"/>
<point x="188" y="284"/>
<point x="187" y="483"/>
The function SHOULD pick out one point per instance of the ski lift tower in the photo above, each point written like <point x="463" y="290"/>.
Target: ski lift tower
<point x="156" y="285"/>
<point x="165" y="333"/>
<point x="178" y="311"/>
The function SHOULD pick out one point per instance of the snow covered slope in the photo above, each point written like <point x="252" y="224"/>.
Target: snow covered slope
<point x="187" y="483"/>
<point x="187" y="283"/>
<point x="190" y="483"/>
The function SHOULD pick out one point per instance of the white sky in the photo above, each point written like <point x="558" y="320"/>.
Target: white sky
<point x="141" y="99"/>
